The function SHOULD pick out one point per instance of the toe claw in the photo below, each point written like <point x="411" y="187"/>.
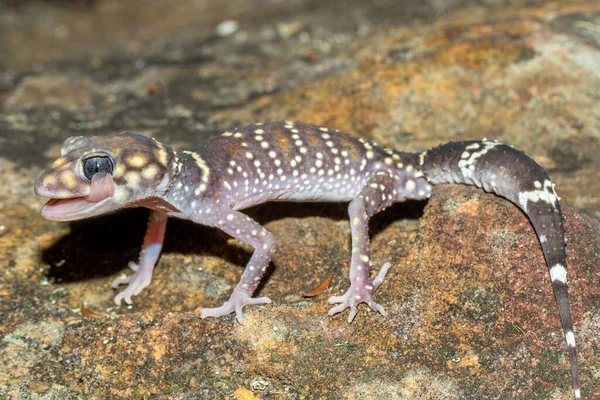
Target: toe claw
<point x="238" y="314"/>
<point x="352" y="314"/>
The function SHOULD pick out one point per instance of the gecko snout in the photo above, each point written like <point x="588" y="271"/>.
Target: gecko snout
<point x="45" y="185"/>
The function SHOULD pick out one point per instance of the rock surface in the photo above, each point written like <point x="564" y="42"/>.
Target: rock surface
<point x="471" y="313"/>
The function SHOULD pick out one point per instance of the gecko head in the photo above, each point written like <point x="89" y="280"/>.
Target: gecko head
<point x="99" y="174"/>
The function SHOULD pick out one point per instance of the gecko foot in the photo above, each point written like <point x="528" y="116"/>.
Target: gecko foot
<point x="360" y="293"/>
<point x="235" y="304"/>
<point x="140" y="279"/>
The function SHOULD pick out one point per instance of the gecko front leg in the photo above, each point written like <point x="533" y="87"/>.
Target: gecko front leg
<point x="142" y="276"/>
<point x="250" y="232"/>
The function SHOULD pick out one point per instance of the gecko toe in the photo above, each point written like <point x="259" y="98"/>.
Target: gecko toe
<point x="381" y="275"/>
<point x="337" y="309"/>
<point x="120" y="297"/>
<point x="352" y="314"/>
<point x="359" y="293"/>
<point x="377" y="307"/>
<point x="236" y="303"/>
<point x="133" y="266"/>
<point x="126" y="279"/>
<point x="136" y="283"/>
<point x="258" y="300"/>
<point x="335" y="299"/>
<point x="238" y="314"/>
<point x="120" y="281"/>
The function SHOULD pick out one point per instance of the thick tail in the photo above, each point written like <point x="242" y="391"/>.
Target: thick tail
<point x="510" y="173"/>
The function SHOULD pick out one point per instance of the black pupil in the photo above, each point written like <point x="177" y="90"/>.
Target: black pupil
<point x="93" y="165"/>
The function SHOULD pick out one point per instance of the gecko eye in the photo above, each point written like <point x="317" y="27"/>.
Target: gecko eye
<point x="93" y="165"/>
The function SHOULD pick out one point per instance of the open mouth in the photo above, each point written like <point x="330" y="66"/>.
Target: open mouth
<point x="69" y="209"/>
<point x="101" y="189"/>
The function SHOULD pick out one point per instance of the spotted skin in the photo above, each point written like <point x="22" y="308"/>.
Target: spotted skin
<point x="291" y="161"/>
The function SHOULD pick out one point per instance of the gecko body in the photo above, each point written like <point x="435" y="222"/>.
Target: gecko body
<point x="290" y="161"/>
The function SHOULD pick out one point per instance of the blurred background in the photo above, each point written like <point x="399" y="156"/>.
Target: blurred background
<point x="409" y="73"/>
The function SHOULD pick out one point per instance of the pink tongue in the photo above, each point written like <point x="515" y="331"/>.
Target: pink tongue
<point x="101" y="188"/>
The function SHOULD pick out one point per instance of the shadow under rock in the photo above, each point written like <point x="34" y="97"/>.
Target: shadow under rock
<point x="104" y="245"/>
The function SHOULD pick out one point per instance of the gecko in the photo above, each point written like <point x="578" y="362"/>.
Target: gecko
<point x="291" y="161"/>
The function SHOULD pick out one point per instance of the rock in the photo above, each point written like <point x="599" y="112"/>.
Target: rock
<point x="471" y="312"/>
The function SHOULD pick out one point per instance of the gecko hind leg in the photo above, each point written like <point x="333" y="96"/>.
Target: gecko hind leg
<point x="376" y="195"/>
